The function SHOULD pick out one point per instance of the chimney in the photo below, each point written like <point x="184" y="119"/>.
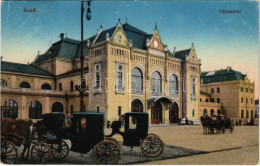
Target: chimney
<point x="61" y="36"/>
<point x="229" y="68"/>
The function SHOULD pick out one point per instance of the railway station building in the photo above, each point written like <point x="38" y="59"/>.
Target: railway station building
<point x="126" y="70"/>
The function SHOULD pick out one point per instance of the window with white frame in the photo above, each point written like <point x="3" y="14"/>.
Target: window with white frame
<point x="193" y="86"/>
<point x="119" y="77"/>
<point x="173" y="85"/>
<point x="97" y="76"/>
<point x="156" y="82"/>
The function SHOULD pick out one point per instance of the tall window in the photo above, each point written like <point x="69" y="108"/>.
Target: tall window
<point x="136" y="80"/>
<point x="3" y="83"/>
<point x="212" y="90"/>
<point x="25" y="85"/>
<point x="242" y="100"/>
<point x="252" y="114"/>
<point x="97" y="108"/>
<point x="119" y="77"/>
<point x="137" y="106"/>
<point x="10" y="109"/>
<point x="212" y="100"/>
<point x="193" y="113"/>
<point x="218" y="100"/>
<point x="251" y="101"/>
<point x="35" y="110"/>
<point x="71" y="86"/>
<point x="60" y="86"/>
<point x="156" y="82"/>
<point x="119" y="110"/>
<point x="193" y="86"/>
<point x="247" y="114"/>
<point x="241" y="89"/>
<point x="71" y="110"/>
<point x="218" y="90"/>
<point x="46" y="87"/>
<point x="97" y="76"/>
<point x="242" y="113"/>
<point x="173" y="85"/>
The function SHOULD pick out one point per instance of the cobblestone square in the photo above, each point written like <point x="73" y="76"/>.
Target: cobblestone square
<point x="188" y="145"/>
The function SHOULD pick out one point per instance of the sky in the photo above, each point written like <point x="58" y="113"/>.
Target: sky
<point x="220" y="39"/>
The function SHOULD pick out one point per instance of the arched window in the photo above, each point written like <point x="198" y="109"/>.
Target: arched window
<point x="137" y="106"/>
<point x="212" y="113"/>
<point x="242" y="114"/>
<point x="136" y="80"/>
<point x="3" y="83"/>
<point x="71" y="86"/>
<point x="207" y="100"/>
<point x="156" y="82"/>
<point x="218" y="90"/>
<point x="10" y="109"/>
<point x="205" y="112"/>
<point x="173" y="85"/>
<point x="219" y="112"/>
<point x="35" y="110"/>
<point x="25" y="85"/>
<point x="57" y="107"/>
<point x="247" y="114"/>
<point x="46" y="87"/>
<point x="212" y="90"/>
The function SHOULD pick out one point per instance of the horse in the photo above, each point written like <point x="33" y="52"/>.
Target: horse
<point x="21" y="130"/>
<point x="214" y="124"/>
<point x="205" y="124"/>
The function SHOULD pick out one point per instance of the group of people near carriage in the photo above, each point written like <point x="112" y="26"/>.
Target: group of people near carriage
<point x="216" y="124"/>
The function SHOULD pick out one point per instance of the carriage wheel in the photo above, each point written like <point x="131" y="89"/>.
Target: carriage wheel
<point x="114" y="140"/>
<point x="40" y="153"/>
<point x="152" y="146"/>
<point x="106" y="152"/>
<point x="59" y="150"/>
<point x="9" y="154"/>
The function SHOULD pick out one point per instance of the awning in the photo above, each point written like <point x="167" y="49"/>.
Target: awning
<point x="152" y="100"/>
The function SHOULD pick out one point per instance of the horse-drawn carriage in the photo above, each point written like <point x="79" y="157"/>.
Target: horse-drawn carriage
<point x="218" y="124"/>
<point x="85" y="133"/>
<point x="136" y="134"/>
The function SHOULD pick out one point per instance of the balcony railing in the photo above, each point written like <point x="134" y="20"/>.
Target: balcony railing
<point x="27" y="90"/>
<point x="210" y="104"/>
<point x="137" y="92"/>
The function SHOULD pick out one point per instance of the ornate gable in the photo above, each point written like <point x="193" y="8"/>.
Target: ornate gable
<point x="192" y="58"/>
<point x="119" y="36"/>
<point x="156" y="42"/>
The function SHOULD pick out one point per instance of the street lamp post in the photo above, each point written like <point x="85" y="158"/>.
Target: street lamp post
<point x="82" y="82"/>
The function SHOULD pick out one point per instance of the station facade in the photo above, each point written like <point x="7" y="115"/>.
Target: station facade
<point x="126" y="70"/>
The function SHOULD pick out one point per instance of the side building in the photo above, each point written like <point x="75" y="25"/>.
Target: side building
<point x="233" y="90"/>
<point x="126" y="70"/>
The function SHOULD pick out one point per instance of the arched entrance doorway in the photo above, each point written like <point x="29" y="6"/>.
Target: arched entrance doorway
<point x="137" y="106"/>
<point x="57" y="107"/>
<point x="174" y="113"/>
<point x="205" y="113"/>
<point x="156" y="116"/>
